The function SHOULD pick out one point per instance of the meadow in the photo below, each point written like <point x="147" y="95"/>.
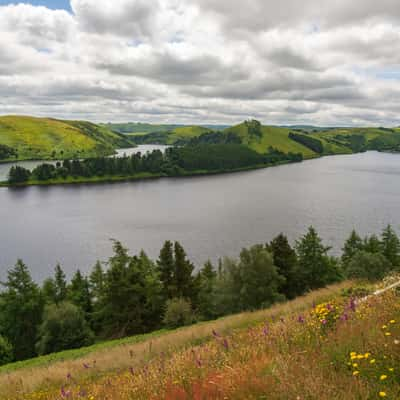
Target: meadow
<point x="323" y="345"/>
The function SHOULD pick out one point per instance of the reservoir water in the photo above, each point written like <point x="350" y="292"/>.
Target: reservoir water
<point x="211" y="216"/>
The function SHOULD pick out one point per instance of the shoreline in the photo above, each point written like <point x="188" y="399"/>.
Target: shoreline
<point x="137" y="177"/>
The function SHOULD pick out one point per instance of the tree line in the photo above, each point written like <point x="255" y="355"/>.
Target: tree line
<point x="132" y="294"/>
<point x="175" y="161"/>
<point x="7" y="152"/>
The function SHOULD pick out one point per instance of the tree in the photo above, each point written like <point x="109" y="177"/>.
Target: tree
<point x="64" y="327"/>
<point x="79" y="293"/>
<point x="285" y="259"/>
<point x="352" y="245"/>
<point x="96" y="280"/>
<point x="21" y="307"/>
<point x="178" y="313"/>
<point x="131" y="302"/>
<point x="49" y="290"/>
<point x="372" y="244"/>
<point x="60" y="283"/>
<point x="371" y="266"/>
<point x="18" y="174"/>
<point x="206" y="299"/>
<point x="258" y="279"/>
<point x="391" y="246"/>
<point x="183" y="273"/>
<point x="315" y="266"/>
<point x="6" y="351"/>
<point x="166" y="268"/>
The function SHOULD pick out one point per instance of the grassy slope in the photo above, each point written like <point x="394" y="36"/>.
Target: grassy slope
<point x="286" y="352"/>
<point x="185" y="133"/>
<point x="50" y="372"/>
<point x="38" y="138"/>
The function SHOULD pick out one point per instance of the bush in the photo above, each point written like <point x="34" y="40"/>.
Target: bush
<point x="371" y="266"/>
<point x="64" y="327"/>
<point x="6" y="351"/>
<point x="178" y="313"/>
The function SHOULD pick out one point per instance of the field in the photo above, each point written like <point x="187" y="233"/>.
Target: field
<point x="320" y="346"/>
<point x="43" y="138"/>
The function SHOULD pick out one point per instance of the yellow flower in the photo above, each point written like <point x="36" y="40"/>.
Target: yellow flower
<point x="355" y="365"/>
<point x="388" y="334"/>
<point x="353" y="353"/>
<point x="360" y="356"/>
<point x="382" y="394"/>
<point x="391" y="369"/>
<point x="372" y="361"/>
<point x="384" y="326"/>
<point x="392" y="321"/>
<point x="355" y="373"/>
<point x="383" y="377"/>
<point x="366" y="355"/>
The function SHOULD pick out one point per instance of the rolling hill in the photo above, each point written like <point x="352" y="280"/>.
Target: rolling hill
<point x="45" y="138"/>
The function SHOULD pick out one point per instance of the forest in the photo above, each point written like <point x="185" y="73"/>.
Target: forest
<point x="133" y="294"/>
<point x="175" y="161"/>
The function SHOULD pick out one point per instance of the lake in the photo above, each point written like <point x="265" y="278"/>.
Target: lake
<point x="212" y="216"/>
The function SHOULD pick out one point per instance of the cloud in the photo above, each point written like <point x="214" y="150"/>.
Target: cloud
<point x="204" y="61"/>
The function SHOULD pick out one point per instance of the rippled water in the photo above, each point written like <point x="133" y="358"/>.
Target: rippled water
<point x="211" y="215"/>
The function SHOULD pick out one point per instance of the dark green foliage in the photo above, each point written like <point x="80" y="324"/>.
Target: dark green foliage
<point x="63" y="327"/>
<point x="254" y="128"/>
<point x="387" y="142"/>
<point x="316" y="268"/>
<point x="6" y="351"/>
<point x="206" y="298"/>
<point x="97" y="281"/>
<point x="178" y="313"/>
<point x="285" y="260"/>
<point x="21" y="308"/>
<point x="216" y="138"/>
<point x="371" y="266"/>
<point x="166" y="268"/>
<point x="131" y="301"/>
<point x="7" y="152"/>
<point x="352" y="245"/>
<point x="44" y="172"/>
<point x="79" y="293"/>
<point x="18" y="174"/>
<point x="183" y="273"/>
<point x="60" y="284"/>
<point x="391" y="246"/>
<point x="308" y="141"/>
<point x="372" y="244"/>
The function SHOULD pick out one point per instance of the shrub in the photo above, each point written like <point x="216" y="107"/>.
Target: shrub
<point x="178" y="313"/>
<point x="6" y="351"/>
<point x="64" y="327"/>
<point x="371" y="266"/>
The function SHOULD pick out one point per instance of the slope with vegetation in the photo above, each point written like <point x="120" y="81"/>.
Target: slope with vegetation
<point x="134" y="295"/>
<point x="23" y="138"/>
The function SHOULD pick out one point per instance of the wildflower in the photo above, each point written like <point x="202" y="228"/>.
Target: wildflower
<point x="391" y="369"/>
<point x="324" y="321"/>
<point x="372" y="361"/>
<point x="352" y="305"/>
<point x="388" y="334"/>
<point x="383" y="377"/>
<point x="226" y="344"/>
<point x="301" y="319"/>
<point x="355" y="373"/>
<point x="382" y="394"/>
<point x="355" y="365"/>
<point x="392" y="321"/>
<point x="366" y="355"/>
<point x="396" y="341"/>
<point x="215" y="333"/>
<point x="353" y="353"/>
<point x="384" y="327"/>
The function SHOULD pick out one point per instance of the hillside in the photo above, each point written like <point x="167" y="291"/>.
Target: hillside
<point x="45" y="138"/>
<point x="321" y="346"/>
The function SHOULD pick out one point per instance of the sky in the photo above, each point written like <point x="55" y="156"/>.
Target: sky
<point x="202" y="61"/>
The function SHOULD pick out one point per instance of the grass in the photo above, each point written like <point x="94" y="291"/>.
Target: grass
<point x="92" y="367"/>
<point x="44" y="138"/>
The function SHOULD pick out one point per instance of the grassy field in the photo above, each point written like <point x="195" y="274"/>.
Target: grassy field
<point x="322" y="346"/>
<point x="43" y="138"/>
<point x="43" y="377"/>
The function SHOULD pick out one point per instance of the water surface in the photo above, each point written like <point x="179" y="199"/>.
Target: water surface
<point x="211" y="215"/>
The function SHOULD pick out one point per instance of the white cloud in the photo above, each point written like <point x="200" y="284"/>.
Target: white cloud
<point x="204" y="61"/>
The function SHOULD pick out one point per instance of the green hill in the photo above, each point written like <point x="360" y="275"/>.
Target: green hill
<point x="45" y="138"/>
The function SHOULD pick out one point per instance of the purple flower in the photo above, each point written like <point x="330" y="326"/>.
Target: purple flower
<point x="226" y="344"/>
<point x="324" y="322"/>
<point x="215" y="334"/>
<point x="329" y="307"/>
<point x="266" y="331"/>
<point x="344" y="317"/>
<point x="301" y="319"/>
<point x="65" y="393"/>
<point x="352" y="305"/>
<point x="86" y="366"/>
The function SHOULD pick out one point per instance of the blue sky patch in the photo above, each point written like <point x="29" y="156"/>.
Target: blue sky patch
<point x="54" y="4"/>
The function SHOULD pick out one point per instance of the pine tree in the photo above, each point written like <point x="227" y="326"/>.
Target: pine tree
<point x="391" y="246"/>
<point x="353" y="245"/>
<point x="183" y="273"/>
<point x="316" y="268"/>
<point x="285" y="260"/>
<point x="79" y="293"/>
<point x="166" y="268"/>
<point x="21" y="306"/>
<point x="96" y="280"/>
<point x="60" y="285"/>
<point x="206" y="286"/>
